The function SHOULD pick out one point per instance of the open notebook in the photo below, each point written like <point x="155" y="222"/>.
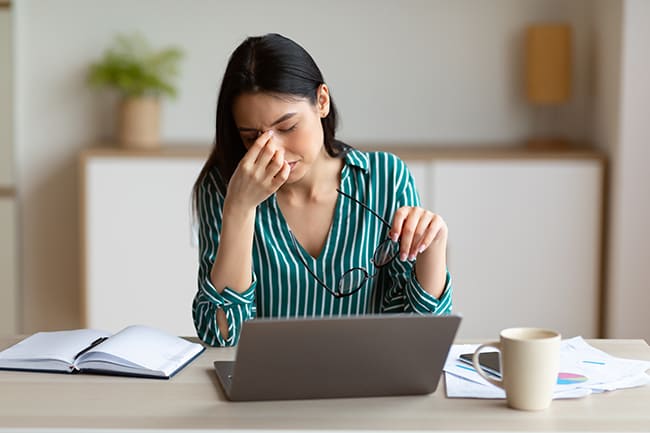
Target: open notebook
<point x="134" y="351"/>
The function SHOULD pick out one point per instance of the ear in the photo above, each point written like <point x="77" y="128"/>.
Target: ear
<point x="323" y="100"/>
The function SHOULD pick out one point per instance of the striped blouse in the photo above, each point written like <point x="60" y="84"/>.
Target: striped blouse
<point x="282" y="287"/>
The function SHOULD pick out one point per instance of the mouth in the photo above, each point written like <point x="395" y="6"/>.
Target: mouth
<point x="292" y="164"/>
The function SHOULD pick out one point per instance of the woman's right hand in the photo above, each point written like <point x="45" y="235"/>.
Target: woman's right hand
<point x="260" y="173"/>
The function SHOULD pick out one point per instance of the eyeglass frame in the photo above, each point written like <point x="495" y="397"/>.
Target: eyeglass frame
<point x="338" y="293"/>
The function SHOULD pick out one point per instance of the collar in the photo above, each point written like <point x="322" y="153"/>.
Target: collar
<point x="358" y="159"/>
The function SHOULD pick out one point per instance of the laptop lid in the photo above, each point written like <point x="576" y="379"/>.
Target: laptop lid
<point x="358" y="356"/>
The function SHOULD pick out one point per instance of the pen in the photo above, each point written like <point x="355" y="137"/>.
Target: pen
<point x="93" y="344"/>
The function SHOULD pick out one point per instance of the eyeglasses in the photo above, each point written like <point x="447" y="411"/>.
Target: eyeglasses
<point x="354" y="279"/>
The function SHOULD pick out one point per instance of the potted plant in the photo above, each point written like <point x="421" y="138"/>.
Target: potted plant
<point x="142" y="76"/>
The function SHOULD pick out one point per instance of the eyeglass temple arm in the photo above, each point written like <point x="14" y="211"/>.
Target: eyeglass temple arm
<point x="365" y="207"/>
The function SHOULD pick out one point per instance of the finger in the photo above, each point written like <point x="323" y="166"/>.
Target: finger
<point x="408" y="232"/>
<point x="421" y="231"/>
<point x="281" y="177"/>
<point x="276" y="164"/>
<point x="431" y="233"/>
<point x="437" y="231"/>
<point x="398" y="222"/>
<point x="266" y="154"/>
<point x="259" y="144"/>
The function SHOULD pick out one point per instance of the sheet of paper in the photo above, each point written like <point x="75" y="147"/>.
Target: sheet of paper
<point x="458" y="387"/>
<point x="586" y="366"/>
<point x="59" y="345"/>
<point x="146" y="347"/>
<point x="583" y="370"/>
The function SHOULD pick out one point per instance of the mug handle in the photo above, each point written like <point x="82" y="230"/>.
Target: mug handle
<point x="479" y="369"/>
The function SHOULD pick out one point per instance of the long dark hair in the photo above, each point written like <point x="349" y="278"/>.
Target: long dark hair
<point x="271" y="64"/>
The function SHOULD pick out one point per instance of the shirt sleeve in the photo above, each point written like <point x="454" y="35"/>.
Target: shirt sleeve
<point x="403" y="291"/>
<point x="238" y="307"/>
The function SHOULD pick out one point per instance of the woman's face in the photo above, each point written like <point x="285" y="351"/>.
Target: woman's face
<point x="296" y="125"/>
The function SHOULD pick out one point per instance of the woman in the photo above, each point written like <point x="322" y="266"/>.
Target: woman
<point x="294" y="223"/>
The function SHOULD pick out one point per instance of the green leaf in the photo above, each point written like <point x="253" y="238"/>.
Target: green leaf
<point x="132" y="67"/>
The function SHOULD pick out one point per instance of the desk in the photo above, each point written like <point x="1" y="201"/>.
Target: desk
<point x="193" y="400"/>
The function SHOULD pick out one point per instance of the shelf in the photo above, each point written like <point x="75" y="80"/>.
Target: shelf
<point x="409" y="152"/>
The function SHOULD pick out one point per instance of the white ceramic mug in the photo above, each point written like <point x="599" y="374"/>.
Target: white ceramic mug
<point x="530" y="359"/>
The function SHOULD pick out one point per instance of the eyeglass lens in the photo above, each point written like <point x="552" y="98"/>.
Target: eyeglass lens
<point x="354" y="279"/>
<point x="385" y="252"/>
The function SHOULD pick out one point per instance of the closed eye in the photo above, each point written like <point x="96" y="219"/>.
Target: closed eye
<point x="291" y="128"/>
<point x="250" y="139"/>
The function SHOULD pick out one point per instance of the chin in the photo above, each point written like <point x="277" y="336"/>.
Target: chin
<point x="295" y="176"/>
<point x="293" y="179"/>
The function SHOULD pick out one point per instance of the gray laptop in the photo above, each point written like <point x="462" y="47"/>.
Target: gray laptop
<point x="359" y="356"/>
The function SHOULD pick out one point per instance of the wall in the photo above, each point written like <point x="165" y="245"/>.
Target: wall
<point x="401" y="72"/>
<point x="629" y="277"/>
<point x="6" y="91"/>
<point x="8" y="269"/>
<point x="606" y="60"/>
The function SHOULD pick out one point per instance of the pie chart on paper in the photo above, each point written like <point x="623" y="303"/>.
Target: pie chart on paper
<point x="570" y="378"/>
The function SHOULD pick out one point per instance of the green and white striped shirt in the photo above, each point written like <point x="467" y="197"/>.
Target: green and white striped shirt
<point x="282" y="287"/>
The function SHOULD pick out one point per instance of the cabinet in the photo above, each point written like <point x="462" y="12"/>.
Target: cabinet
<point x="525" y="240"/>
<point x="524" y="248"/>
<point x="140" y="255"/>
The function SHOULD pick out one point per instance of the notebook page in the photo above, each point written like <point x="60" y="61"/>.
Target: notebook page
<point x="147" y="347"/>
<point x="56" y="345"/>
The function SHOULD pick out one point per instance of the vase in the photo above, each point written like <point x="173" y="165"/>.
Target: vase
<point x="139" y="123"/>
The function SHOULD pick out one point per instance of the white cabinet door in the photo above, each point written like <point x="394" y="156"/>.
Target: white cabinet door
<point x="8" y="274"/>
<point x="524" y="242"/>
<point x="421" y="171"/>
<point x="141" y="258"/>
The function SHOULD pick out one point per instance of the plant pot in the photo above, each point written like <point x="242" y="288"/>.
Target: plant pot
<point x="139" y="123"/>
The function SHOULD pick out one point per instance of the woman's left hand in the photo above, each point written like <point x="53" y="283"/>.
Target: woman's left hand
<point x="416" y="229"/>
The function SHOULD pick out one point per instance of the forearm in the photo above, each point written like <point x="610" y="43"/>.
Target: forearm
<point x="232" y="266"/>
<point x="233" y="262"/>
<point x="431" y="268"/>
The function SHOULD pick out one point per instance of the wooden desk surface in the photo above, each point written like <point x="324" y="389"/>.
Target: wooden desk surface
<point x="193" y="400"/>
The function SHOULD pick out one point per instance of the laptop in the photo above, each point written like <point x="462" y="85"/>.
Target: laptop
<point x="358" y="356"/>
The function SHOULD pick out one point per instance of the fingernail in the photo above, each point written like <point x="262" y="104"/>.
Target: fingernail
<point x="412" y="257"/>
<point x="421" y="249"/>
<point x="402" y="257"/>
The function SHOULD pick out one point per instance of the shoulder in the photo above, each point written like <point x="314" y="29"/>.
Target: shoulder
<point x="211" y="183"/>
<point x="373" y="159"/>
<point x="210" y="190"/>
<point x="381" y="165"/>
<point x="387" y="159"/>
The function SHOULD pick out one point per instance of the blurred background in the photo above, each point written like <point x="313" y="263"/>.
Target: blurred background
<point x="439" y="82"/>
